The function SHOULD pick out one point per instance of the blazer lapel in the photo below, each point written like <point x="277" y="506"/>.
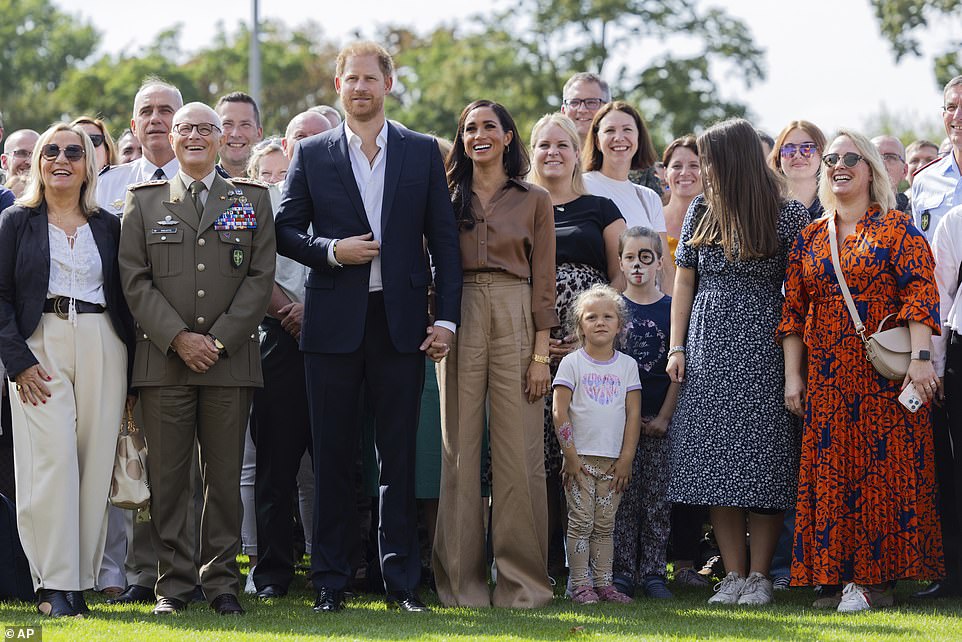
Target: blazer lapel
<point x="392" y="170"/>
<point x="102" y="238"/>
<point x="342" y="162"/>
<point x="216" y="203"/>
<point x="180" y="205"/>
<point x="40" y="232"/>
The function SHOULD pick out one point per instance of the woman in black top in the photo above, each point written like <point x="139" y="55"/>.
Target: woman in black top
<point x="587" y="228"/>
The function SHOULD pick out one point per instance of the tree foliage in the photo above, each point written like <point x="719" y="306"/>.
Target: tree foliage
<point x="903" y="21"/>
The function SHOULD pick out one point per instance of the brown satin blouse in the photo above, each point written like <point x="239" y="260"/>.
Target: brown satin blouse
<point x="515" y="234"/>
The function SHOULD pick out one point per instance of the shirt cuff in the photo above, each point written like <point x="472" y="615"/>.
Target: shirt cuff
<point x="447" y="325"/>
<point x="330" y="254"/>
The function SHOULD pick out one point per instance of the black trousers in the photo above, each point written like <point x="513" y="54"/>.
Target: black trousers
<point x="393" y="381"/>
<point x="947" y="425"/>
<point x="281" y="431"/>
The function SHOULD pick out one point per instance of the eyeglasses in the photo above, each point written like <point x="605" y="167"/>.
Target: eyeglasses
<point x="892" y="158"/>
<point x="96" y="139"/>
<point x="21" y="153"/>
<point x="204" y="129"/>
<point x="51" y="151"/>
<point x="588" y="103"/>
<point x="805" y="150"/>
<point x="850" y="159"/>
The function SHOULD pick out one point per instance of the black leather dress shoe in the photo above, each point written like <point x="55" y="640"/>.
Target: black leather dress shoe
<point x="271" y="591"/>
<point x="329" y="600"/>
<point x="935" y="590"/>
<point x="227" y="604"/>
<point x="54" y="603"/>
<point x="134" y="594"/>
<point x="169" y="606"/>
<point x="77" y="602"/>
<point x="197" y="595"/>
<point x="406" y="601"/>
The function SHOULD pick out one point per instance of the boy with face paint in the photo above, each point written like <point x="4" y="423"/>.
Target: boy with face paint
<point x="643" y="522"/>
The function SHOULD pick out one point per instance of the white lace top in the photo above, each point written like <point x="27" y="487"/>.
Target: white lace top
<point x="75" y="272"/>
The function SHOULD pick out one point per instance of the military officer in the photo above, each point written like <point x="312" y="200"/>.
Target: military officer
<point x="197" y="267"/>
<point x="936" y="188"/>
<point x="154" y="107"/>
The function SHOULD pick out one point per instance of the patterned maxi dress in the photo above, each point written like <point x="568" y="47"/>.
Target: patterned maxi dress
<point x="866" y="495"/>
<point x="732" y="441"/>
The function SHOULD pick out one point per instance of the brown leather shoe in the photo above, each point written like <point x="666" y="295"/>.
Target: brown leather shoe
<point x="227" y="604"/>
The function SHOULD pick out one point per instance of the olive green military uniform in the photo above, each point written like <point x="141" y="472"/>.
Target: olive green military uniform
<point x="210" y="274"/>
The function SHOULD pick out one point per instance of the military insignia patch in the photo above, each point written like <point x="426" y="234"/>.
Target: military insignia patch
<point x="925" y="221"/>
<point x="237" y="257"/>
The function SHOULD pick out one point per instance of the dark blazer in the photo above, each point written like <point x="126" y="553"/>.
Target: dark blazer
<point x="321" y="190"/>
<point x="25" y="277"/>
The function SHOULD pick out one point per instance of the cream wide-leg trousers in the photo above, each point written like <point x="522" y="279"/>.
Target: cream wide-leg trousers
<point x="64" y="449"/>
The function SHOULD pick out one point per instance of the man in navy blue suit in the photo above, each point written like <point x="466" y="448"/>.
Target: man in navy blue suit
<point x="373" y="191"/>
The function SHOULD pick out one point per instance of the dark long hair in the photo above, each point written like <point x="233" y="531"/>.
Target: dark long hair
<point x="460" y="168"/>
<point x="744" y="195"/>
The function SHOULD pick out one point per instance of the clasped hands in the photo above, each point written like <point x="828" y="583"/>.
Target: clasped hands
<point x="196" y="350"/>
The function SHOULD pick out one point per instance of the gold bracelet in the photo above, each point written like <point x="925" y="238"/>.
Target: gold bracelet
<point x="539" y="358"/>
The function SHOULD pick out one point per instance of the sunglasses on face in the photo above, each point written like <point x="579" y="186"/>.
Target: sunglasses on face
<point x="96" y="139"/>
<point x="52" y="151"/>
<point x="850" y="159"/>
<point x="805" y="150"/>
<point x="204" y="129"/>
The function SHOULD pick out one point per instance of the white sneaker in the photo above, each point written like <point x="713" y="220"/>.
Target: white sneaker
<point x="728" y="590"/>
<point x="855" y="598"/>
<point x="249" y="587"/>
<point x="757" y="590"/>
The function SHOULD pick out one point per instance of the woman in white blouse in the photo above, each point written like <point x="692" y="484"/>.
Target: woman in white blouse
<point x="65" y="336"/>
<point x="618" y="143"/>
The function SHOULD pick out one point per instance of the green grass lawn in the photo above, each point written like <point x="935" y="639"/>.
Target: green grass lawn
<point x="687" y="617"/>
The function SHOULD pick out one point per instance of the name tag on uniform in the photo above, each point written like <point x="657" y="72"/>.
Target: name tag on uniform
<point x="163" y="230"/>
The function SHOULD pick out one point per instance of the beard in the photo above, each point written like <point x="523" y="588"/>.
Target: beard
<point x="363" y="113"/>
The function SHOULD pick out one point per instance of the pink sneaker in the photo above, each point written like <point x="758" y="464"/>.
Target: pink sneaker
<point x="611" y="594"/>
<point x="584" y="595"/>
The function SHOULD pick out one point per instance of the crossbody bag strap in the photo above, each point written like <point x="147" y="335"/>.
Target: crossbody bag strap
<point x="849" y="303"/>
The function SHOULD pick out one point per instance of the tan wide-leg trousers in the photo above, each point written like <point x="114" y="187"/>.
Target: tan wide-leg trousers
<point x="64" y="449"/>
<point x="488" y="363"/>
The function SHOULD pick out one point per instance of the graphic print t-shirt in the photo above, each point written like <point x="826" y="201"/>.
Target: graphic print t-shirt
<point x="597" y="410"/>
<point x="646" y="341"/>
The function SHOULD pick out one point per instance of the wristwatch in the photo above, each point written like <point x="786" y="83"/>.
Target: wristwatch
<point x="921" y="355"/>
<point x="217" y="344"/>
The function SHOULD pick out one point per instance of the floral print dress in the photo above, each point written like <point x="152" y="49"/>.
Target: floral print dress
<point x="866" y="508"/>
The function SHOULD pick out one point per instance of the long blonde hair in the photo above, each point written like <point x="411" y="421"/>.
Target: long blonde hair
<point x="33" y="194"/>
<point x="744" y="195"/>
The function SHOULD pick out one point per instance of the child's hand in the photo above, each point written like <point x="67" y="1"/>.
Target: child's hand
<point x="570" y="469"/>
<point x="676" y="367"/>
<point x="654" y="427"/>
<point x="621" y="471"/>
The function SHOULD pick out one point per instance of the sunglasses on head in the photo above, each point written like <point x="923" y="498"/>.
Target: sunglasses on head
<point x="51" y="151"/>
<point x="850" y="159"/>
<point x="805" y="150"/>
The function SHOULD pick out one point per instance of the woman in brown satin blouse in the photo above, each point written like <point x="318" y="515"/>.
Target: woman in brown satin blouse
<point x="497" y="372"/>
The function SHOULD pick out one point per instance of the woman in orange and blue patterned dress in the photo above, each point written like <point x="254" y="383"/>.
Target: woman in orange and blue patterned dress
<point x="866" y="513"/>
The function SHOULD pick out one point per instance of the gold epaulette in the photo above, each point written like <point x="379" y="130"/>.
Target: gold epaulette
<point x="243" y="180"/>
<point x="147" y="184"/>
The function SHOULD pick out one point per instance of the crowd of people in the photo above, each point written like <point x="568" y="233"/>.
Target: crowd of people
<point x="481" y="364"/>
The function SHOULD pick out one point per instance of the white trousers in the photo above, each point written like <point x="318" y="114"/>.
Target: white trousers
<point x="64" y="449"/>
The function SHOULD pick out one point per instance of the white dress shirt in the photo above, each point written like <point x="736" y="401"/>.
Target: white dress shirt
<point x="947" y="249"/>
<point x="112" y="184"/>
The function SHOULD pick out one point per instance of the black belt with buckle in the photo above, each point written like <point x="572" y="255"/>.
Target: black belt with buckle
<point x="60" y="305"/>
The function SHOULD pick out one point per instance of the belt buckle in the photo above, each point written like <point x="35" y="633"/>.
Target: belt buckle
<point x="60" y="309"/>
<point x="483" y="277"/>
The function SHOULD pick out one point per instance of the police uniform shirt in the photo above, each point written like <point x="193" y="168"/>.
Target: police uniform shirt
<point x="113" y="182"/>
<point x="935" y="191"/>
<point x="947" y="249"/>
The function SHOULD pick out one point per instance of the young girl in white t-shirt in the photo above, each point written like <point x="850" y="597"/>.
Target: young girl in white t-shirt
<point x="597" y="405"/>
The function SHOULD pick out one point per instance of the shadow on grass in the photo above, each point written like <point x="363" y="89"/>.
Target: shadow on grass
<point x="687" y="617"/>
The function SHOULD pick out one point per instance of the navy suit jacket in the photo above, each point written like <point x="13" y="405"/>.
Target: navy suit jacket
<point x="321" y="191"/>
<point x="25" y="277"/>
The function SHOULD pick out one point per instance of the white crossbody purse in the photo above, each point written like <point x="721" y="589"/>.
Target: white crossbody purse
<point x="889" y="351"/>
